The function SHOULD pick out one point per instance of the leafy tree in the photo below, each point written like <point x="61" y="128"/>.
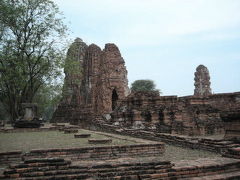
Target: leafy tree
<point x="47" y="99"/>
<point x="31" y="50"/>
<point x="143" y="85"/>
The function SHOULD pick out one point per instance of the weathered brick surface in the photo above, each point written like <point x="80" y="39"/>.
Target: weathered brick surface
<point x="101" y="86"/>
<point x="168" y="114"/>
<point x="102" y="83"/>
<point x="219" y="146"/>
<point x="103" y="152"/>
<point x="82" y="135"/>
<point x="99" y="141"/>
<point x="202" y="81"/>
<point x="145" y="170"/>
<point x="68" y="131"/>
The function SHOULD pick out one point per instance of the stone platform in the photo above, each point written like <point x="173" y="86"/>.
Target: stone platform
<point x="68" y="131"/>
<point x="82" y="135"/>
<point x="99" y="141"/>
<point x="58" y="168"/>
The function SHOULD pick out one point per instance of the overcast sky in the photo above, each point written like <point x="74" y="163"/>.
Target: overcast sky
<point x="165" y="40"/>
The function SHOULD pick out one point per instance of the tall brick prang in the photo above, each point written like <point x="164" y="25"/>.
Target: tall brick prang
<point x="202" y="82"/>
<point x="98" y="85"/>
<point x="72" y="82"/>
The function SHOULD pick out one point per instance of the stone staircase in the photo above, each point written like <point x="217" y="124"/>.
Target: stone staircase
<point x="233" y="153"/>
<point x="57" y="168"/>
<point x="220" y="145"/>
<point x="10" y="157"/>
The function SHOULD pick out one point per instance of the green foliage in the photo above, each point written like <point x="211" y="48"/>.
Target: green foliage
<point x="47" y="99"/>
<point x="3" y="113"/>
<point x="143" y="85"/>
<point x="73" y="68"/>
<point x="31" y="50"/>
<point x="72" y="64"/>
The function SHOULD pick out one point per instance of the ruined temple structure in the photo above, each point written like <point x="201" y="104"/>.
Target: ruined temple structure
<point x="72" y="81"/>
<point x="96" y="92"/>
<point x="202" y="81"/>
<point x="168" y="114"/>
<point x="203" y="113"/>
<point x="100" y="84"/>
<point x="189" y="115"/>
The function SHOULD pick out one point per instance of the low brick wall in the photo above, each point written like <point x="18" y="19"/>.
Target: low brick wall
<point x="103" y="152"/>
<point x="218" y="146"/>
<point x="58" y="168"/>
<point x="42" y="129"/>
<point x="10" y="157"/>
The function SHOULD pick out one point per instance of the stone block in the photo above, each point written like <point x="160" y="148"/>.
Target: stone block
<point x="99" y="141"/>
<point x="82" y="135"/>
<point x="69" y="131"/>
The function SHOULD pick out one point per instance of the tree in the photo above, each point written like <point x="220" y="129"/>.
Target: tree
<point x="143" y="85"/>
<point x="47" y="99"/>
<point x="31" y="51"/>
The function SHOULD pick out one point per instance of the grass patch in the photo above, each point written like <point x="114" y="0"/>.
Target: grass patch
<point x="26" y="141"/>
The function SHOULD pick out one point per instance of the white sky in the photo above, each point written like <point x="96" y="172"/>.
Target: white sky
<point x="165" y="40"/>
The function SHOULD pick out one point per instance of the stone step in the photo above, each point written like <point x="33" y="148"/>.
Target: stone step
<point x="189" y="176"/>
<point x="82" y="135"/>
<point x="97" y="175"/>
<point x="230" y="175"/>
<point x="32" y="172"/>
<point x="29" y="165"/>
<point x="44" y="160"/>
<point x="194" y="171"/>
<point x="99" y="141"/>
<point x="231" y="156"/>
<point x="102" y="171"/>
<point x="147" y="170"/>
<point x="69" y="131"/>
<point x="57" y="177"/>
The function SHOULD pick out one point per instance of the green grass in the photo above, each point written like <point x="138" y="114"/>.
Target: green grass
<point x="174" y="153"/>
<point x="26" y="141"/>
<point x="52" y="139"/>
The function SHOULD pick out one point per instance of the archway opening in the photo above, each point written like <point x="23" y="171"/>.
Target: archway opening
<point x="161" y="117"/>
<point x="148" y="117"/>
<point x="114" y="99"/>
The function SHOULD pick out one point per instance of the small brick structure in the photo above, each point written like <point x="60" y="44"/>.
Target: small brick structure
<point x="58" y="168"/>
<point x="100" y="152"/>
<point x="99" y="141"/>
<point x="10" y="157"/>
<point x="69" y="131"/>
<point x="233" y="153"/>
<point x="214" y="145"/>
<point x="82" y="135"/>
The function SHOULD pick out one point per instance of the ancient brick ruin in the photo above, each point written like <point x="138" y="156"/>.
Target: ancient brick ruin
<point x="169" y="114"/>
<point x="202" y="81"/>
<point x="72" y="81"/>
<point x="188" y="115"/>
<point x="101" y="94"/>
<point x="100" y="85"/>
<point x="96" y="96"/>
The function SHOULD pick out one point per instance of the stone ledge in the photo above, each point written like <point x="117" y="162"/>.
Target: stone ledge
<point x="100" y="152"/>
<point x="68" y="131"/>
<point x="11" y="153"/>
<point x="82" y="135"/>
<point x="99" y="141"/>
